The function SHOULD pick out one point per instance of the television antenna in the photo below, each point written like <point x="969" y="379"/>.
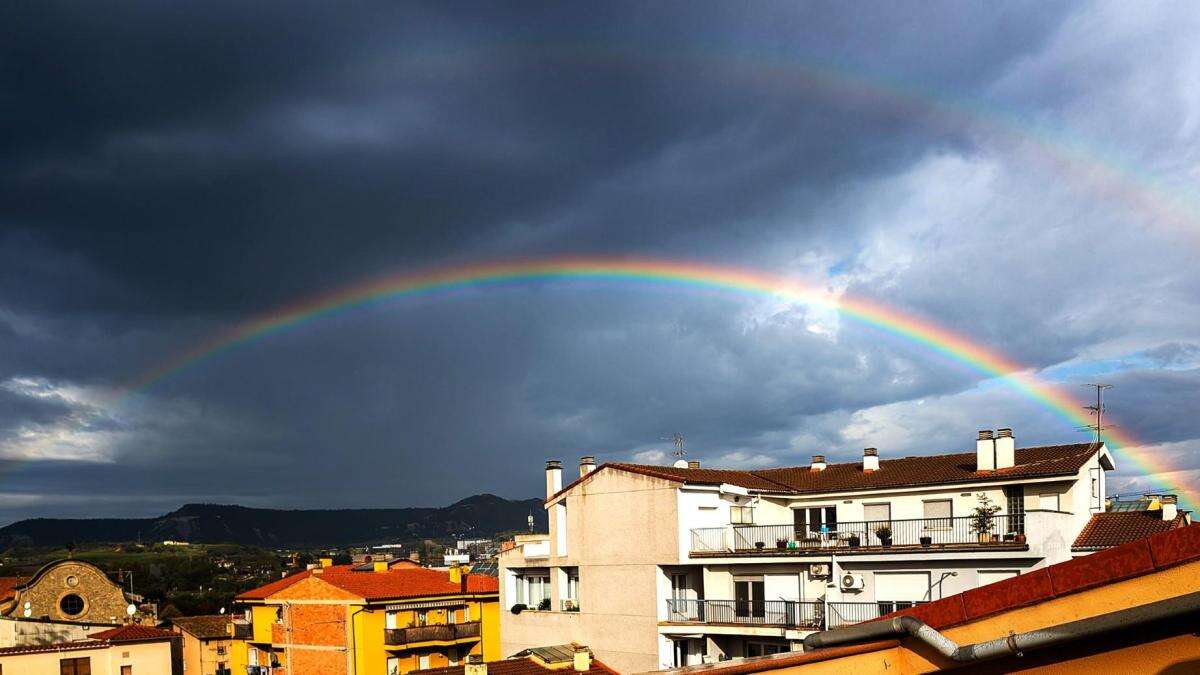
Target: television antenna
<point x="1097" y="411"/>
<point x="677" y="439"/>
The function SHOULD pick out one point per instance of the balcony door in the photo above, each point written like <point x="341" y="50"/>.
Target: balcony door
<point x="749" y="599"/>
<point x="814" y="521"/>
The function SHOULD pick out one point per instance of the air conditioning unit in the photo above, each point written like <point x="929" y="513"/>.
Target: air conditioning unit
<point x="852" y="582"/>
<point x="820" y="570"/>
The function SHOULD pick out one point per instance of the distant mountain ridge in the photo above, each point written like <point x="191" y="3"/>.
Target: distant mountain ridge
<point x="482" y="515"/>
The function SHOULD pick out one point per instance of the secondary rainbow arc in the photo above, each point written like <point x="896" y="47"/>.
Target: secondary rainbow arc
<point x="925" y="333"/>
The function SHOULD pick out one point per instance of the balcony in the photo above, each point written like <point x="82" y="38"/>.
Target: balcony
<point x="451" y="632"/>
<point x="918" y="534"/>
<point x="809" y="615"/>
<point x="242" y="631"/>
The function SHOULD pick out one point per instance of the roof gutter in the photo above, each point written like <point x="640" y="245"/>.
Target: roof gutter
<point x="1014" y="643"/>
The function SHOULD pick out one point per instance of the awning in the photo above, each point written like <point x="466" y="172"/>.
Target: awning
<point x="427" y="604"/>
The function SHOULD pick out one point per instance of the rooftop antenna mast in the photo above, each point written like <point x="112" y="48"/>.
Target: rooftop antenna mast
<point x="1097" y="410"/>
<point x="679" y="452"/>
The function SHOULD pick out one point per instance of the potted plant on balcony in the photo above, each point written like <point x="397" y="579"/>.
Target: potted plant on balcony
<point x="982" y="518"/>
<point x="926" y="540"/>
<point x="855" y="540"/>
<point x="781" y="543"/>
<point x="518" y="608"/>
<point x="544" y="605"/>
<point x="885" y="535"/>
<point x="759" y="545"/>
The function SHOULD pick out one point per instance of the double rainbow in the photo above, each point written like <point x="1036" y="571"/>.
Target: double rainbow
<point x="670" y="273"/>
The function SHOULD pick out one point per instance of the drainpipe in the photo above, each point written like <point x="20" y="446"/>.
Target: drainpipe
<point x="1015" y="643"/>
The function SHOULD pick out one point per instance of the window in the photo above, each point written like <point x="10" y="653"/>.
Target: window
<point x="814" y="521"/>
<point x="71" y="604"/>
<point x="128" y="670"/>
<point x="938" y="513"/>
<point x="764" y="648"/>
<point x="78" y="666"/>
<point x="877" y="516"/>
<point x="1014" y="497"/>
<point x="741" y="515"/>
<point x="1049" y="502"/>
<point x="748" y="597"/>
<point x="393" y="666"/>
<point x="423" y="662"/>
<point x="537" y="590"/>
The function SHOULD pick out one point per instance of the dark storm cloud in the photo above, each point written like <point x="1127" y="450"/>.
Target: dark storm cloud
<point x="168" y="169"/>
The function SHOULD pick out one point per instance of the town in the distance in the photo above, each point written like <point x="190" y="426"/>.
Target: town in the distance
<point x="997" y="558"/>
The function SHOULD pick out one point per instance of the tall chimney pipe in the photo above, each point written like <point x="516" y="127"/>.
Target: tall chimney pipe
<point x="818" y="463"/>
<point x="1170" y="507"/>
<point x="985" y="451"/>
<point x="553" y="477"/>
<point x="587" y="464"/>
<point x="1006" y="450"/>
<point x="870" y="460"/>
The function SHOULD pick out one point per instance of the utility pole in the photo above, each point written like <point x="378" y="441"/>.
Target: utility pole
<point x="1097" y="411"/>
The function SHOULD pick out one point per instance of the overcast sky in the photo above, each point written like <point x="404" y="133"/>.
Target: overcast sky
<point x="1023" y="173"/>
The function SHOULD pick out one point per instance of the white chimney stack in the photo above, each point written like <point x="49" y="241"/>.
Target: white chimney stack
<point x="587" y="464"/>
<point x="475" y="665"/>
<point x="870" y="460"/>
<point x="985" y="451"/>
<point x="1006" y="449"/>
<point x="818" y="463"/>
<point x="1170" y="507"/>
<point x="553" y="477"/>
<point x="583" y="659"/>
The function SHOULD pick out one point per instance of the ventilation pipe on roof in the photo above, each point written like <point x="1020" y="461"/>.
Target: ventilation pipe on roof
<point x="985" y="451"/>
<point x="1170" y="506"/>
<point x="1006" y="450"/>
<point x="475" y="665"/>
<point x="583" y="659"/>
<point x="818" y="463"/>
<point x="553" y="477"/>
<point x="1013" y="643"/>
<point x="870" y="460"/>
<point x="587" y="464"/>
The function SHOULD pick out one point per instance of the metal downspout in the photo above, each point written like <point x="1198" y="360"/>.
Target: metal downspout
<point x="1014" y="643"/>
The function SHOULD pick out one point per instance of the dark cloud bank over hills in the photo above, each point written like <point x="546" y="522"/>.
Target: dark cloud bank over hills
<point x="478" y="516"/>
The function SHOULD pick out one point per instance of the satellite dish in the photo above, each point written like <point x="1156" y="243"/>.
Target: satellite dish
<point x="131" y="610"/>
<point x="222" y="610"/>
<point x="28" y="612"/>
<point x="680" y="464"/>
<point x="27" y="605"/>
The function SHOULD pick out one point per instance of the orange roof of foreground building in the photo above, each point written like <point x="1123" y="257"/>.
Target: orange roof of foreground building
<point x="393" y="583"/>
<point x="1115" y="528"/>
<point x="104" y="638"/>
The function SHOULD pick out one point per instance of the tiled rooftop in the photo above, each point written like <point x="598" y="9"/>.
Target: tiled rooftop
<point x="205" y="627"/>
<point x="1114" y="528"/>
<point x="398" y="582"/>
<point x="1034" y="462"/>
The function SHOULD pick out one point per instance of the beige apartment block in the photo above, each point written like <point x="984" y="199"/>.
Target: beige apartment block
<point x="663" y="566"/>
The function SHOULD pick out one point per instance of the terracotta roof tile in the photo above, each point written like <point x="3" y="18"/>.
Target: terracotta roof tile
<point x="8" y="586"/>
<point x="522" y="666"/>
<point x="205" y="627"/>
<point x="131" y="633"/>
<point x="1137" y="558"/>
<point x="1114" y="528"/>
<point x="397" y="582"/>
<point x="1034" y="462"/>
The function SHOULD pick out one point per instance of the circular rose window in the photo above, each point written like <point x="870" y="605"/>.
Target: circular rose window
<point x="71" y="604"/>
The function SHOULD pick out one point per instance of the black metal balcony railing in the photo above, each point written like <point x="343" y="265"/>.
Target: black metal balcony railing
<point x="807" y="615"/>
<point x="440" y="633"/>
<point x="912" y="533"/>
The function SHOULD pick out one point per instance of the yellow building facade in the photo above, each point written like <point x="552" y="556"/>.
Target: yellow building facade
<point x="373" y="619"/>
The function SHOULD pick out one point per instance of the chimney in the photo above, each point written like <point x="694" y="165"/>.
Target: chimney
<point x="463" y="585"/>
<point x="553" y="477"/>
<point x="818" y="463"/>
<point x="587" y="464"/>
<point x="1170" y="507"/>
<point x="693" y="464"/>
<point x="456" y="573"/>
<point x="326" y="562"/>
<point x="985" y="451"/>
<point x="870" y="460"/>
<point x="379" y="566"/>
<point x="1006" y="450"/>
<point x="475" y="665"/>
<point x="583" y="659"/>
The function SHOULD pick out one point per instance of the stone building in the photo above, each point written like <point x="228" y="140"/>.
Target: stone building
<point x="64" y="600"/>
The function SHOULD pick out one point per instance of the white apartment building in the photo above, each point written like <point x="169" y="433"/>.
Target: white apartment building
<point x="661" y="566"/>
